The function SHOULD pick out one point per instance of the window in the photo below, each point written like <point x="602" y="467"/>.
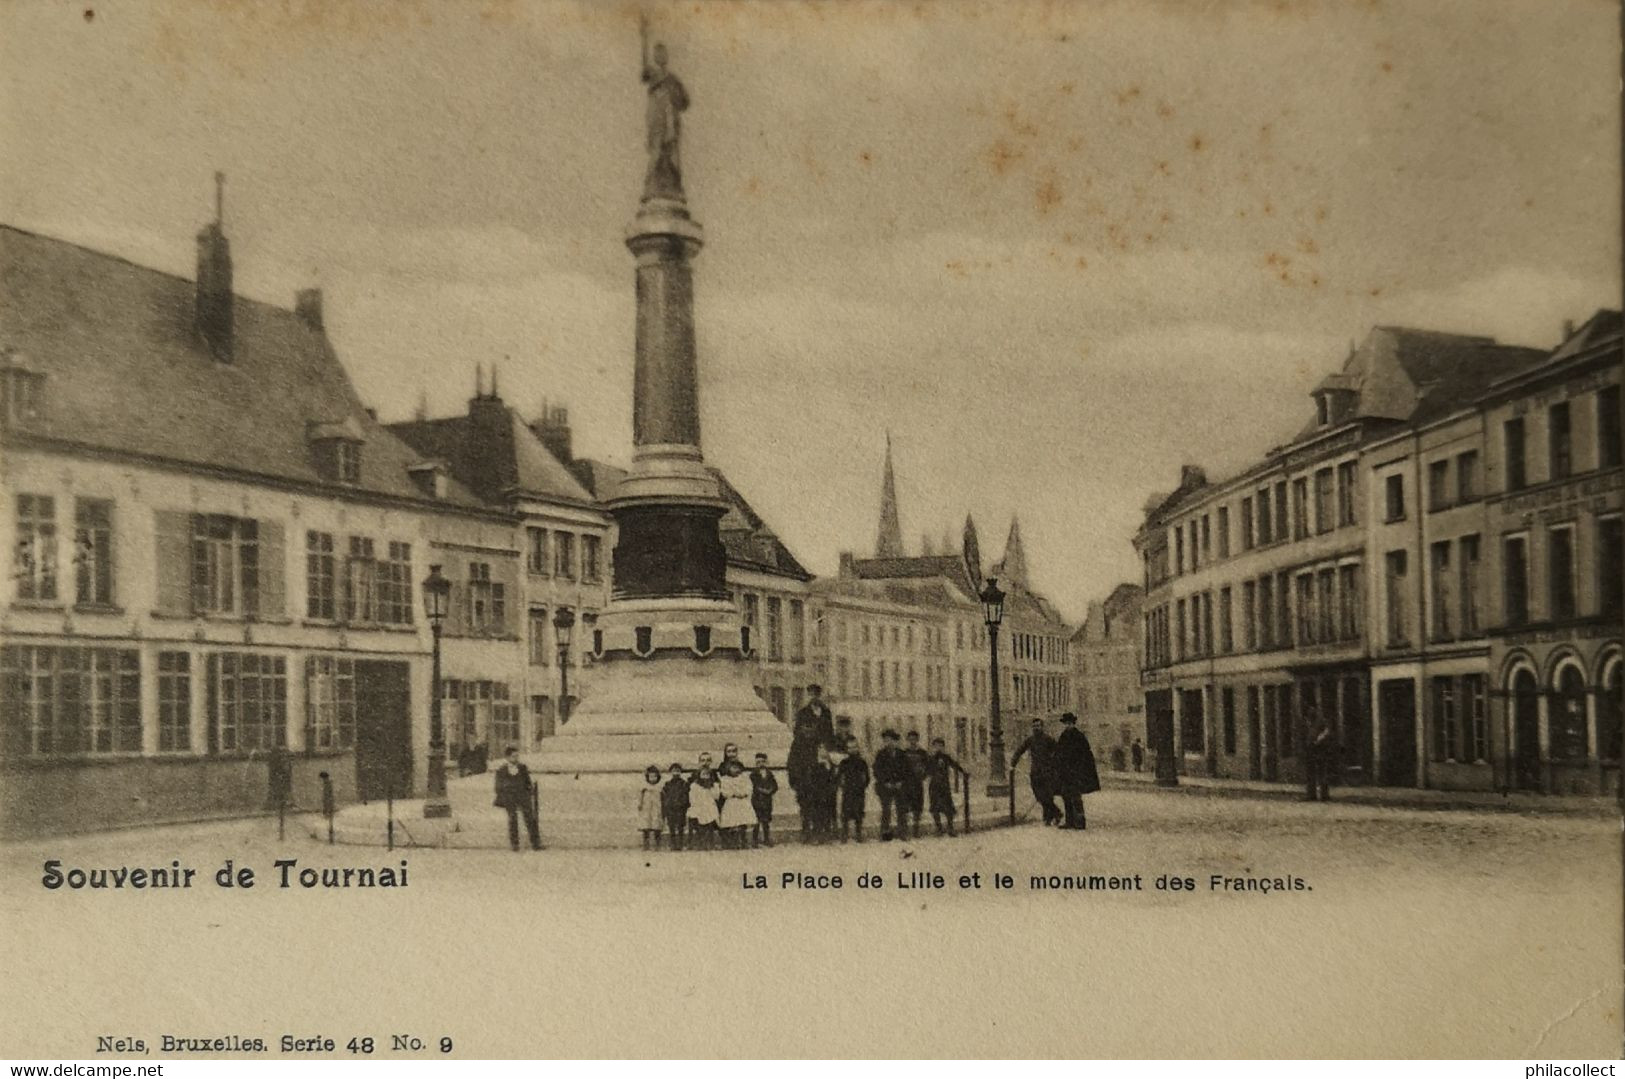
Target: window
<point x="1266" y="612"/>
<point x="1446" y="729"/>
<point x="841" y="679"/>
<point x="1467" y="587"/>
<point x="536" y="551"/>
<point x="1560" y="565"/>
<point x="248" y="702"/>
<point x="320" y="576"/>
<point x="1467" y="476"/>
<point x="225" y="565"/>
<point x="361" y="582"/>
<point x="1515" y="589"/>
<point x="1300" y="507"/>
<point x="1348" y="599"/>
<point x="775" y="629"/>
<point x="93" y="552"/>
<point x="1512" y="436"/>
<point x="329" y="703"/>
<point x="1394" y="498"/>
<point x="867" y="679"/>
<point x="1570" y="738"/>
<point x="1438" y="485"/>
<point x="1179" y="550"/>
<point x="1346" y="476"/>
<point x="538" y="636"/>
<point x="1207" y="623"/>
<point x="1306" y="609"/>
<point x="1264" y="531"/>
<point x="70" y="701"/>
<point x="34" y="565"/>
<point x="751" y="608"/>
<point x="1323" y="500"/>
<point x="1283" y="610"/>
<point x="1228" y="696"/>
<point x="798" y="632"/>
<point x="1610" y="703"/>
<point x="1207" y="538"/>
<point x="1439" y="589"/>
<point x="1249" y="615"/>
<point x="348" y="460"/>
<point x="1610" y="557"/>
<point x="1326" y="605"/>
<point x="1192" y="728"/>
<point x="487" y="601"/>
<point x="1247" y="523"/>
<point x="1280" y="510"/>
<point x="395" y="606"/>
<point x="564" y="555"/>
<point x="1477" y="727"/>
<point x="592" y="569"/>
<point x="1608" y="432"/>
<point x="1224" y="531"/>
<point x="1560" y="439"/>
<point x="23" y="393"/>
<point x="1227" y="642"/>
<point x="1179" y="629"/>
<point x="1398" y="632"/>
<point x="1194" y="549"/>
<point x="174" y="702"/>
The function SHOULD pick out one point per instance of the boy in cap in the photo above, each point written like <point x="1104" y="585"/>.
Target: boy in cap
<point x="853" y="773"/>
<point x="674" y="805"/>
<point x="940" y="768"/>
<point x="892" y="775"/>
<point x="763" y="786"/>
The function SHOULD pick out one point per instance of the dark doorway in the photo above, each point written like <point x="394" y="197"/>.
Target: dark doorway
<point x="1255" y="744"/>
<point x="1159" y="734"/>
<point x="383" y="730"/>
<point x="1525" y="704"/>
<point x="1396" y="710"/>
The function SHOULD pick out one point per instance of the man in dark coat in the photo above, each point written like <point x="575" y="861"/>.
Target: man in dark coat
<point x="893" y="774"/>
<point x="853" y="776"/>
<point x="1320" y="760"/>
<point x="513" y="794"/>
<point x="1137" y="752"/>
<point x="1075" y="770"/>
<point x="817" y="798"/>
<point x="1041" y="770"/>
<point x="813" y="726"/>
<point x="914" y="791"/>
<point x="674" y="805"/>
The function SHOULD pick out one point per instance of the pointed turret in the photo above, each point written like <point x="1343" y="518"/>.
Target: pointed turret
<point x="972" y="553"/>
<point x="889" y="537"/>
<point x="1013" y="569"/>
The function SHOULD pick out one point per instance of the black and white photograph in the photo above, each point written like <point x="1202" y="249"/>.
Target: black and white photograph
<point x="546" y="529"/>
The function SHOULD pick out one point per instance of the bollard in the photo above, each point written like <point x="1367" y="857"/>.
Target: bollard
<point x="328" y="808"/>
<point x="964" y="781"/>
<point x="1012" y="789"/>
<point x="536" y="805"/>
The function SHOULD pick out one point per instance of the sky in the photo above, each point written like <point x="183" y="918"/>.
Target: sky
<point x="1056" y="250"/>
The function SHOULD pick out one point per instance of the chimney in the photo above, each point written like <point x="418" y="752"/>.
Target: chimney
<point x="553" y="429"/>
<point x="1192" y="476"/>
<point x="307" y="304"/>
<point x="1568" y="328"/>
<point x="212" y="313"/>
<point x="848" y="568"/>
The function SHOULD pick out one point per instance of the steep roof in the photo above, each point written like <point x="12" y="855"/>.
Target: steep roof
<point x="125" y="371"/>
<point x="889" y="533"/>
<point x="949" y="567"/>
<point x="493" y="451"/>
<point x="1599" y="329"/>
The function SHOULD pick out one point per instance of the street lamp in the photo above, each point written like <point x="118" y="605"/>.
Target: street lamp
<point x="993" y="613"/>
<point x="564" y="621"/>
<point x="436" y="601"/>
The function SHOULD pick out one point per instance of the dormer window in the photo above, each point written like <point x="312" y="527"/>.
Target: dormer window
<point x="1323" y="409"/>
<point x="336" y="448"/>
<point x="22" y="391"/>
<point x="429" y="477"/>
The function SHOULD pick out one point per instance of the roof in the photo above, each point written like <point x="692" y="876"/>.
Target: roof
<point x="948" y="566"/>
<point x="494" y="452"/>
<point x="125" y="371"/>
<point x="1600" y="329"/>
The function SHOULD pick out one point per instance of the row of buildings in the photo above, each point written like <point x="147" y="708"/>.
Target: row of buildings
<point x="1431" y="567"/>
<point x="218" y="551"/>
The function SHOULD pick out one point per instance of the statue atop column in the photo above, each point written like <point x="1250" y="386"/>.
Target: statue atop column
<point x="667" y="101"/>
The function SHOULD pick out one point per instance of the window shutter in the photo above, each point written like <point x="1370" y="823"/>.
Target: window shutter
<point x="174" y="553"/>
<point x="273" y="570"/>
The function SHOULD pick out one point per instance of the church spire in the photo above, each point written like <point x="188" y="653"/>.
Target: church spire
<point x="889" y="538"/>
<point x="972" y="553"/>
<point x="1014" y="567"/>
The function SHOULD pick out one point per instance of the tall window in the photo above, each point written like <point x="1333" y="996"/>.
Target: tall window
<point x="1560" y="438"/>
<point x="1306" y="608"/>
<point x="1323" y="500"/>
<point x="225" y="565"/>
<point x="592" y="569"/>
<point x="1266" y="612"/>
<point x="1393" y="489"/>
<point x="361" y="582"/>
<point x="538" y="636"/>
<point x="395" y="604"/>
<point x="1195" y="559"/>
<point x="93" y="551"/>
<point x="1446" y="727"/>
<point x="564" y="555"/>
<point x="1439" y="589"/>
<point x="1468" y="586"/>
<point x="1179" y="629"/>
<point x="1346" y="476"/>
<point x="1283" y="609"/>
<point x="1516" y="464"/>
<point x="1477" y="728"/>
<point x="752" y="605"/>
<point x="1228" y="696"/>
<point x="1280" y="510"/>
<point x="1249" y="615"/>
<point x="1265" y="532"/>
<point x="320" y="576"/>
<point x="1227" y="640"/>
<point x="248" y="701"/>
<point x="1247" y="523"/>
<point x="798" y="632"/>
<point x="1300" y="507"/>
<point x="1515" y="589"/>
<point x="1610" y="556"/>
<point x="487" y="601"/>
<point x="1179" y="549"/>
<point x="1207" y="623"/>
<point x="1207" y="538"/>
<point x="1348" y="594"/>
<point x="329" y="702"/>
<point x="1326" y="604"/>
<point x="1608" y="427"/>
<point x="1224" y="531"/>
<point x="174" y="702"/>
<point x="775" y="629"/>
<point x="1560" y="563"/>
<point x="1467" y="476"/>
<point x="536" y="551"/>
<point x="34" y="565"/>
<point x="1438" y="485"/>
<point x="69" y="701"/>
<point x="1394" y="564"/>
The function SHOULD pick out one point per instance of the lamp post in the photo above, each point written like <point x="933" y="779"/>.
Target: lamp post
<point x="436" y="600"/>
<point x="993" y="613"/>
<point x="564" y="621"/>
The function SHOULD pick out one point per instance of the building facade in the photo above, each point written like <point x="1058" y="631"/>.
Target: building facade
<point x="1105" y="655"/>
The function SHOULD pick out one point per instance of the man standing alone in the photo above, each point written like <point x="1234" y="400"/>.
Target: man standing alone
<point x="1076" y="770"/>
<point x="513" y="794"/>
<point x="1041" y="770"/>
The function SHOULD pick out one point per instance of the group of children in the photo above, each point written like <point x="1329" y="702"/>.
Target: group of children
<point x="727" y="806"/>
<point x="723" y="805"/>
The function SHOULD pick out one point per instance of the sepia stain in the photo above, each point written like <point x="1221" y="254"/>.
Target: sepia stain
<point x="1066" y="88"/>
<point x="1002" y="157"/>
<point x="1048" y="195"/>
<point x="1165" y="110"/>
<point x="90" y="14"/>
<point x="1125" y="96"/>
<point x="1306" y="244"/>
<point x="865" y="157"/>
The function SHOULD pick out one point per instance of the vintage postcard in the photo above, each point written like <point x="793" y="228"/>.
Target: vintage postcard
<point x="810" y="529"/>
